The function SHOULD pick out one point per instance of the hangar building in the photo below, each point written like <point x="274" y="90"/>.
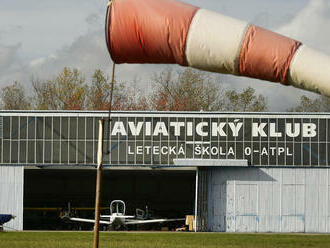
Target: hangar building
<point x="237" y="172"/>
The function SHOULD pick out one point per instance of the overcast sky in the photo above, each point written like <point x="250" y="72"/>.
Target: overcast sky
<point x="38" y="38"/>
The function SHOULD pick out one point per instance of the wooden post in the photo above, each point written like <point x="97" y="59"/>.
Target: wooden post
<point x="98" y="184"/>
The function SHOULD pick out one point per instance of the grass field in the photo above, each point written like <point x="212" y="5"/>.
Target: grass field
<point x="163" y="240"/>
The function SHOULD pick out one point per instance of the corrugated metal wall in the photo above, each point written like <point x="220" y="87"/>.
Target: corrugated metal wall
<point x="202" y="200"/>
<point x="269" y="200"/>
<point x="11" y="195"/>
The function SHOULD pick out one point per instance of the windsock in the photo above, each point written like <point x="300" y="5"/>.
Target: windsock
<point x="173" y="32"/>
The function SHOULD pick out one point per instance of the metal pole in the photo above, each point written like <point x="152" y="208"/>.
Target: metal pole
<point x="110" y="106"/>
<point x="98" y="184"/>
<point x="196" y="200"/>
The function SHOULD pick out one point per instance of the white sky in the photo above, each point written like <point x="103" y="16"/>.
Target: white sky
<point x="38" y="38"/>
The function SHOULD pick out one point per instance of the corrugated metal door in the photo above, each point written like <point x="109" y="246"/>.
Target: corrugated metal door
<point x="202" y="199"/>
<point x="269" y="199"/>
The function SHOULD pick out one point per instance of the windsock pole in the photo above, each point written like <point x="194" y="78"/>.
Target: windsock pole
<point x="98" y="184"/>
<point x="110" y="109"/>
<point x="100" y="161"/>
<point x="100" y="156"/>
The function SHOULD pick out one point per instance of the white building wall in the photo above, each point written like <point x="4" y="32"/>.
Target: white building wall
<point x="269" y="200"/>
<point x="11" y="195"/>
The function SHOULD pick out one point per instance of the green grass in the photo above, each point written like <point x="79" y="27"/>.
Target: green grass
<point x="163" y="240"/>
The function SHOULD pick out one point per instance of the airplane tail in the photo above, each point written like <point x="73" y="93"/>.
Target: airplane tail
<point x="66" y="212"/>
<point x="142" y="214"/>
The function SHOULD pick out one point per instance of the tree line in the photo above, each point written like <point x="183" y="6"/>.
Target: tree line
<point x="182" y="90"/>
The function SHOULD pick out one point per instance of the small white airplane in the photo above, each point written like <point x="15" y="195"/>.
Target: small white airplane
<point x="118" y="219"/>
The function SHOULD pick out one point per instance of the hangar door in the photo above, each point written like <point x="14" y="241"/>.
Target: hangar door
<point x="167" y="193"/>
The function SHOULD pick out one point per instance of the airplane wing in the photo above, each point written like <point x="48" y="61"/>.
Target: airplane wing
<point x="87" y="220"/>
<point x="134" y="222"/>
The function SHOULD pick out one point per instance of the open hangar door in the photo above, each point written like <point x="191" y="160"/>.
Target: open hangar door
<point x="47" y="192"/>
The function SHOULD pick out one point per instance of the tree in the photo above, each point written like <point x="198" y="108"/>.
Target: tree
<point x="192" y="90"/>
<point x="247" y="101"/>
<point x="188" y="90"/>
<point x="306" y="104"/>
<point x="69" y="91"/>
<point x="128" y="98"/>
<point x="13" y="97"/>
<point x="98" y="97"/>
<point x="184" y="90"/>
<point x="44" y="96"/>
<point x="124" y="97"/>
<point x="325" y="104"/>
<point x="66" y="92"/>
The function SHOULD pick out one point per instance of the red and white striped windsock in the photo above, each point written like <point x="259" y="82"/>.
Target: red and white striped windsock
<point x="169" y="31"/>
